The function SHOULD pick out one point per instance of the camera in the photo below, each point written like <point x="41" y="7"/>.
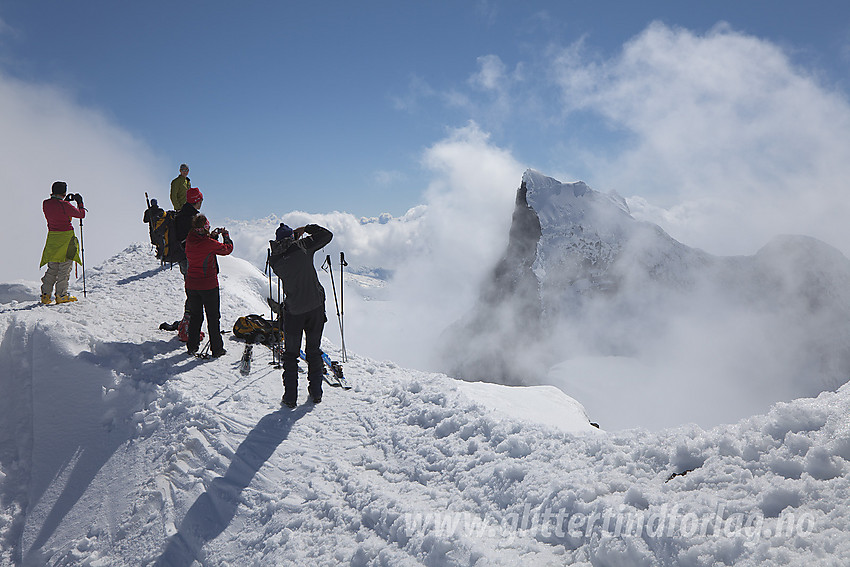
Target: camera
<point x="73" y="197"/>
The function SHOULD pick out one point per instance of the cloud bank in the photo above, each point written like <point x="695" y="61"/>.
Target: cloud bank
<point x="438" y="253"/>
<point x="730" y="140"/>
<point x="47" y="136"/>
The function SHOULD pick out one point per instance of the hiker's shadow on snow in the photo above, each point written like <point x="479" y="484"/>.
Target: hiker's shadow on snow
<point x="97" y="409"/>
<point x="99" y="406"/>
<point x="143" y="362"/>
<point x="27" y="307"/>
<point x="213" y="511"/>
<point x="142" y="276"/>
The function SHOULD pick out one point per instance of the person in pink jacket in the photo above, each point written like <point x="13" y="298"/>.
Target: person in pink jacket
<point x="62" y="248"/>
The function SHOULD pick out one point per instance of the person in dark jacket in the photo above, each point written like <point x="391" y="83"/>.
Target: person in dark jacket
<point x="183" y="220"/>
<point x="303" y="305"/>
<point x="152" y="214"/>
<point x="182" y="227"/>
<point x="202" y="247"/>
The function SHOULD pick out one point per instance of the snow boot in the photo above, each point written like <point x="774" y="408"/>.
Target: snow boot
<point x="45" y="299"/>
<point x="65" y="299"/>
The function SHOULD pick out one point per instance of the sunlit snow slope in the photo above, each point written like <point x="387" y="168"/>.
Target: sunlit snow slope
<point x="116" y="448"/>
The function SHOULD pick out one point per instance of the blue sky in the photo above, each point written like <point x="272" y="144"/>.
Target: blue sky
<point x="326" y="106"/>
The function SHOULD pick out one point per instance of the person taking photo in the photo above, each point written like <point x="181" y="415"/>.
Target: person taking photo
<point x="62" y="248"/>
<point x="303" y="305"/>
<point x="202" y="291"/>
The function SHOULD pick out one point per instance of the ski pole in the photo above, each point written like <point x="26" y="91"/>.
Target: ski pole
<point x="150" y="220"/>
<point x="333" y="286"/>
<point x="271" y="309"/>
<point x="342" y="263"/>
<point x="280" y="324"/>
<point x="277" y="358"/>
<point x="83" y="256"/>
<point x="269" y="272"/>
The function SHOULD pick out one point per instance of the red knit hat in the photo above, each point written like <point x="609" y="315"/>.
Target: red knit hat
<point x="194" y="195"/>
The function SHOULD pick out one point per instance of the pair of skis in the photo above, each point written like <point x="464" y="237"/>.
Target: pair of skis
<point x="333" y="373"/>
<point x="245" y="362"/>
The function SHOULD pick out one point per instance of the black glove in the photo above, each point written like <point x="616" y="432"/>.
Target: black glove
<point x="79" y="199"/>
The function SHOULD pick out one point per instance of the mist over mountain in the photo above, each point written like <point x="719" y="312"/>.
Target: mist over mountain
<point x="580" y="277"/>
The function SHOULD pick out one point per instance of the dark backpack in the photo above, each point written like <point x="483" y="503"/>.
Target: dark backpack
<point x="255" y="329"/>
<point x="164" y="237"/>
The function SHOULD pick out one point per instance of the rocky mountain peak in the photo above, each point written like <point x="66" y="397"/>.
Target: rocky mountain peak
<point x="581" y="276"/>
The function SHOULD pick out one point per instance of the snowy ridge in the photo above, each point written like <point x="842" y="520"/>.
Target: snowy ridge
<point x="117" y="448"/>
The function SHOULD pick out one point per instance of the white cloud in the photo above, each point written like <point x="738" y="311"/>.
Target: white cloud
<point x="724" y="117"/>
<point x="461" y="234"/>
<point x="491" y="73"/>
<point x="46" y="137"/>
<point x="438" y="252"/>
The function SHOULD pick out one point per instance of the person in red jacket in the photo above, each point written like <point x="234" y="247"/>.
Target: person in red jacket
<point x="202" y="247"/>
<point x="62" y="248"/>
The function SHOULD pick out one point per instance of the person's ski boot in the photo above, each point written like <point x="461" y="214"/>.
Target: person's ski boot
<point x="65" y="298"/>
<point x="45" y="299"/>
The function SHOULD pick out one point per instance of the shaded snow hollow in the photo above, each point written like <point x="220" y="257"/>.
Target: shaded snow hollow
<point x="116" y="448"/>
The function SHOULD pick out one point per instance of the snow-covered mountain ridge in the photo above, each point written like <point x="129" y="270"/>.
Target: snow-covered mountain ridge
<point x="118" y="449"/>
<point x="582" y="278"/>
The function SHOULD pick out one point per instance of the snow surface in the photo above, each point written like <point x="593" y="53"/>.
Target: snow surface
<point x="116" y="448"/>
